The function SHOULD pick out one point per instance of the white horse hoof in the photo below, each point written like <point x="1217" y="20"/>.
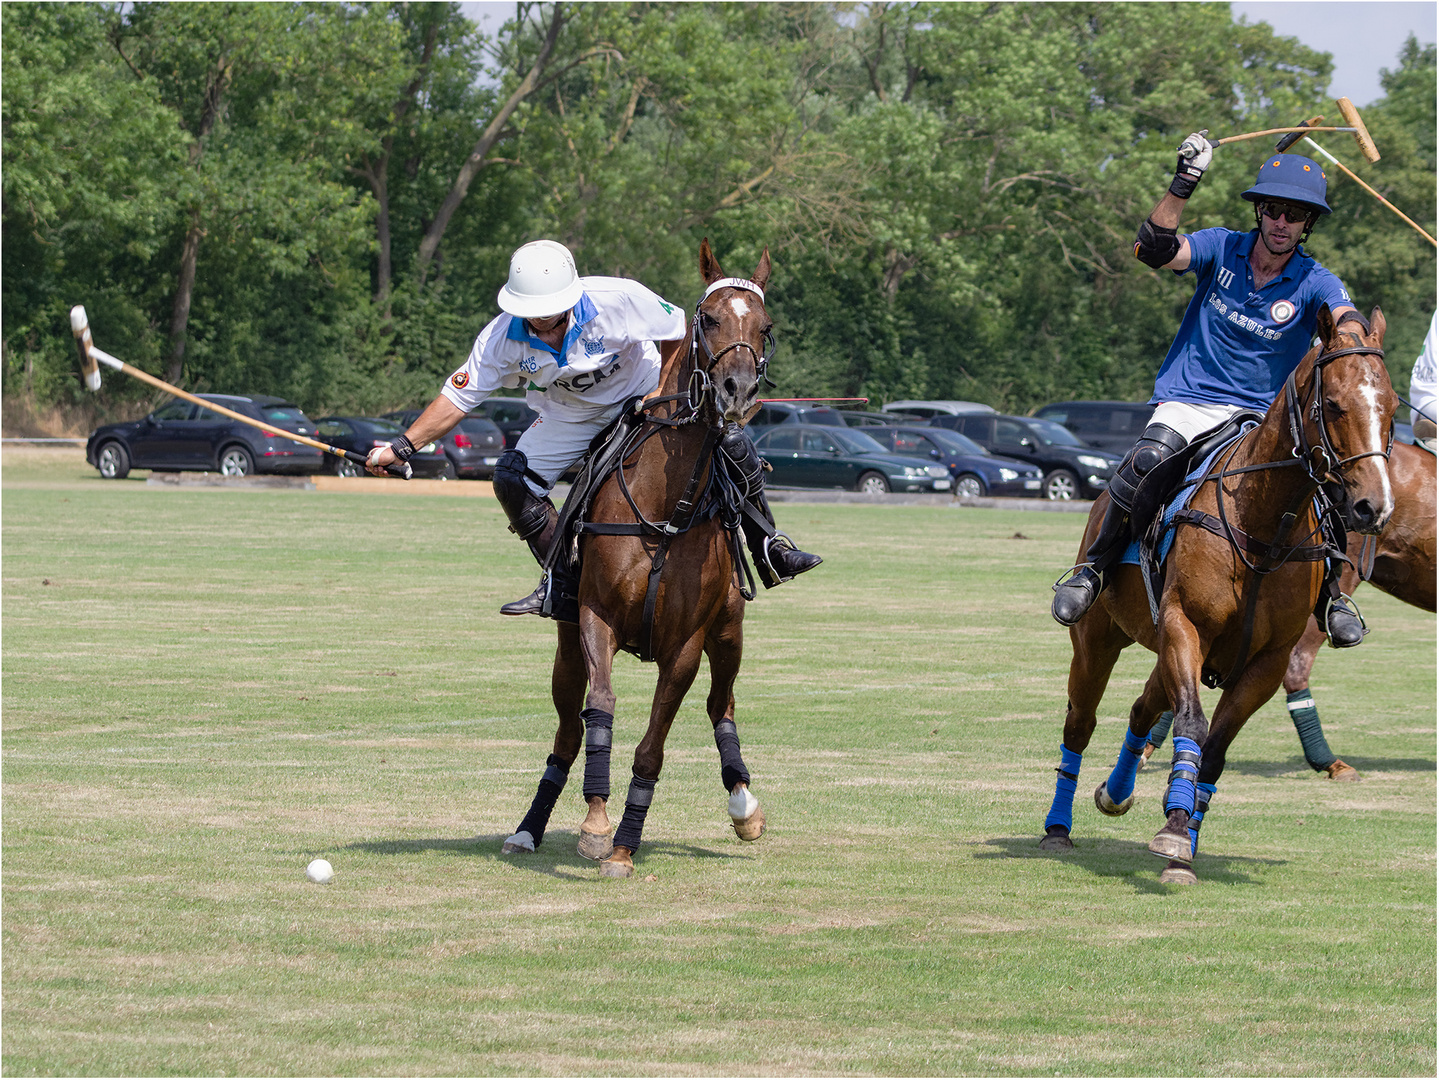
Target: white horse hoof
<point x="1107" y="805"/>
<point x="744" y="811"/>
<point x="521" y="841"/>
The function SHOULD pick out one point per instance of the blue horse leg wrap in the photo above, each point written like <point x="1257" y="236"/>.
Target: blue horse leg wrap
<point x="1061" y="811"/>
<point x="1196" y="819"/>
<point x="1121" y="781"/>
<point x="599" y="727"/>
<point x="551" y="784"/>
<point x="1160" y="731"/>
<point x="1311" y="733"/>
<point x="637" y="805"/>
<point x="732" y="770"/>
<point x="1184" y="773"/>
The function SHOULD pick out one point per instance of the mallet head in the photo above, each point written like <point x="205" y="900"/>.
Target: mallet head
<point x="1361" y="133"/>
<point x="80" y="327"/>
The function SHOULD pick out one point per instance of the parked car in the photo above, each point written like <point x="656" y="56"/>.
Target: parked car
<point x="926" y="409"/>
<point x="878" y="419"/>
<point x="793" y="412"/>
<point x="473" y="445"/>
<point x="811" y="456"/>
<point x="363" y="433"/>
<point x="1108" y="425"/>
<point x="974" y="470"/>
<point x="1071" y="469"/>
<point x="181" y="436"/>
<point x="511" y="415"/>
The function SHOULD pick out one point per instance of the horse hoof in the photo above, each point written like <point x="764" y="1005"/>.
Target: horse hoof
<point x="1176" y="873"/>
<point x="596" y="846"/>
<point x="520" y="842"/>
<point x="1057" y="841"/>
<point x="1339" y="770"/>
<point x="618" y="865"/>
<point x="1107" y="805"/>
<point x="1169" y="846"/>
<point x="745" y="812"/>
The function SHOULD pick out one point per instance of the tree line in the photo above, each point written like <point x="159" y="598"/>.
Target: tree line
<point x="320" y="200"/>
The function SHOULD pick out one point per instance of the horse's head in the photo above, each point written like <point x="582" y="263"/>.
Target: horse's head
<point x="732" y="335"/>
<point x="1344" y="420"/>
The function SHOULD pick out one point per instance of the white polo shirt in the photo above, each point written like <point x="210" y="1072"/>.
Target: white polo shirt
<point x="608" y="353"/>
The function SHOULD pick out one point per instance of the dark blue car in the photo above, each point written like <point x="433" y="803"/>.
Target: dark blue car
<point x="974" y="469"/>
<point x="184" y="437"/>
<point x="812" y="456"/>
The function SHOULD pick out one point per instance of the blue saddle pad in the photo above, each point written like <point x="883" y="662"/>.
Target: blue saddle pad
<point x="1180" y="501"/>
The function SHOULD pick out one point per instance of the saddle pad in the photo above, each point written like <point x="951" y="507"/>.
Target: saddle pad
<point x="1181" y="501"/>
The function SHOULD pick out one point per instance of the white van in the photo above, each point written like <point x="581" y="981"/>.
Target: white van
<point x="929" y="409"/>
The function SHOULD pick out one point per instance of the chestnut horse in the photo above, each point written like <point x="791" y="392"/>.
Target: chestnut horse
<point x="1245" y="577"/>
<point x="662" y="580"/>
<point x="1399" y="561"/>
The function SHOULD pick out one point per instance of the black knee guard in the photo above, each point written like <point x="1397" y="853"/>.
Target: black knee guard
<point x="1157" y="443"/>
<point x="528" y="513"/>
<point x="742" y="461"/>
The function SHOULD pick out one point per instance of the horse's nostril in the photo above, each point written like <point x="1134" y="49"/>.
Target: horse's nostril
<point x="730" y="388"/>
<point x="1362" y="512"/>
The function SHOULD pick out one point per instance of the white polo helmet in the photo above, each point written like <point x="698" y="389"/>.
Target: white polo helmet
<point x="543" y="281"/>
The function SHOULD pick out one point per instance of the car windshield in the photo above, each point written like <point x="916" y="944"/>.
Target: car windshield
<point x="1052" y="434"/>
<point x="476" y="425"/>
<point x="382" y="427"/>
<point x="956" y="443"/>
<point x="283" y="414"/>
<point x="857" y="442"/>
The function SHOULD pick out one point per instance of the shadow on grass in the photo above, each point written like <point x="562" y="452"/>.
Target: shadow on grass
<point x="1297" y="764"/>
<point x="1128" y="859"/>
<point x="556" y="855"/>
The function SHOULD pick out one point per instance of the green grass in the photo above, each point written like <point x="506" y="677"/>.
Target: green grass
<point x="216" y="686"/>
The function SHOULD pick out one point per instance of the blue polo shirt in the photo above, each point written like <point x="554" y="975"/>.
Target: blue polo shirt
<point x="1236" y="345"/>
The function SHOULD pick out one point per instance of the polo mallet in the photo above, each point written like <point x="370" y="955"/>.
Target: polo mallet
<point x="1351" y="114"/>
<point x="90" y="354"/>
<point x="1294" y="136"/>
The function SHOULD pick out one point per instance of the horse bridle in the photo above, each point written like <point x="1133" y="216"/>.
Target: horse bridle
<point x="1304" y="450"/>
<point x="699" y="384"/>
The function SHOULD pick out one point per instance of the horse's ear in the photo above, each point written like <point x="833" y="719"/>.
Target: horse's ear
<point x="761" y="272"/>
<point x="710" y="269"/>
<point x="1377" y="325"/>
<point x="1326" y="324"/>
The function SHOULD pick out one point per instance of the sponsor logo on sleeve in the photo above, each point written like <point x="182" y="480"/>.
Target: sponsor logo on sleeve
<point x="460" y="379"/>
<point x="669" y="309"/>
<point x="1281" y="311"/>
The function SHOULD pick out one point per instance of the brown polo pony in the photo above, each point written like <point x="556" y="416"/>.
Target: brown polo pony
<point x="1399" y="561"/>
<point x="1258" y="531"/>
<point x="671" y="554"/>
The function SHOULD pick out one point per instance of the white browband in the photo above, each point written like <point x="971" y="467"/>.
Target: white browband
<point x="733" y="283"/>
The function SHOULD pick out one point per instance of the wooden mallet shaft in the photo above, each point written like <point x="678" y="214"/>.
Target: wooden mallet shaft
<point x="90" y="353"/>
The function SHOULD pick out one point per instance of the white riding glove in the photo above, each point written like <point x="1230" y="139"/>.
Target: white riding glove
<point x="1195" y="154"/>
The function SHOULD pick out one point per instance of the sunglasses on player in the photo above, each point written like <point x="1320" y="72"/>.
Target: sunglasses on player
<point x="1295" y="215"/>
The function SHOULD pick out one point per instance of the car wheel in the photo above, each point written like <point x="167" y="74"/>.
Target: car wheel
<point x="969" y="486"/>
<point x="1061" y="485"/>
<point x="872" y="483"/>
<point x="236" y="461"/>
<point x="345" y="467"/>
<point x="113" y="461"/>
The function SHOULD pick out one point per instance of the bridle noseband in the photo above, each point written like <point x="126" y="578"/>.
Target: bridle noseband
<point x="1304" y="450"/>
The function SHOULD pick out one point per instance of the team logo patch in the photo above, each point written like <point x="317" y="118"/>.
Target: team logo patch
<point x="460" y="379"/>
<point x="594" y="346"/>
<point x="669" y="310"/>
<point x="1281" y="311"/>
<point x="530" y="364"/>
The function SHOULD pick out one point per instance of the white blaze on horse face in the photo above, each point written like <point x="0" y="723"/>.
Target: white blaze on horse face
<point x="1370" y="392"/>
<point x="739" y="307"/>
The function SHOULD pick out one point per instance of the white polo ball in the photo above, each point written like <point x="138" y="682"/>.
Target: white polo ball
<point x="320" y="872"/>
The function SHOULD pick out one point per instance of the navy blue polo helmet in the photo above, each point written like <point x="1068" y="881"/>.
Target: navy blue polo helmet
<point x="1293" y="178"/>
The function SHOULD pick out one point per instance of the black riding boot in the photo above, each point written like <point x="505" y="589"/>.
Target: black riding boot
<point x="566" y="604"/>
<point x="533" y="520"/>
<point x="1337" y="614"/>
<point x="775" y="556"/>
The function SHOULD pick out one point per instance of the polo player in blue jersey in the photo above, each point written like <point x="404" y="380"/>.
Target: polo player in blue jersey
<point x="1249" y="324"/>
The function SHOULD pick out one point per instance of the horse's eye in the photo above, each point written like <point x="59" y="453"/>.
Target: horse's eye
<point x="708" y="321"/>
<point x="1333" y="407"/>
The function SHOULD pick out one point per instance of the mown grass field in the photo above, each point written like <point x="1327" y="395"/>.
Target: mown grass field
<point x="204" y="689"/>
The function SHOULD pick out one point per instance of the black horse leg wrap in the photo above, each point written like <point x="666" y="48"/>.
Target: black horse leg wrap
<point x="637" y="806"/>
<point x="551" y="784"/>
<point x="599" y="727"/>
<point x="732" y="770"/>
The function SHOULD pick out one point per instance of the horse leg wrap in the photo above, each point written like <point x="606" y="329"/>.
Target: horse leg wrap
<point x="1184" y="774"/>
<point x="1061" y="811"/>
<point x="599" y="729"/>
<point x="732" y="770"/>
<point x="1311" y="734"/>
<point x="1160" y="731"/>
<point x="551" y="784"/>
<point x="637" y="805"/>
<point x="1121" y="780"/>
<point x="1196" y="819"/>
